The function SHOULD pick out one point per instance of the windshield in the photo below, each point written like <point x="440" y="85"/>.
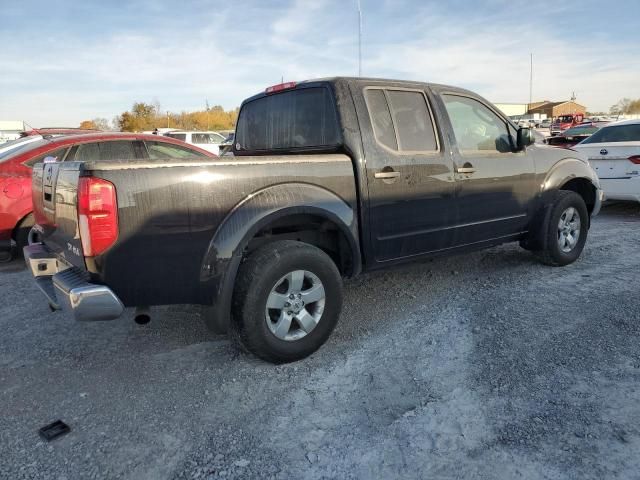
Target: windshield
<point x="613" y="134"/>
<point x="565" y="118"/>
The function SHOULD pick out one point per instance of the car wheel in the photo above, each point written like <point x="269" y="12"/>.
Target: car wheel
<point x="286" y="302"/>
<point x="565" y="230"/>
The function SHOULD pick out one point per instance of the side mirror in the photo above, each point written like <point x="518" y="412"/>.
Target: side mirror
<point x="525" y="138"/>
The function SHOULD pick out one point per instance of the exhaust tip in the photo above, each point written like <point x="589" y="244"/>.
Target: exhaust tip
<point x="142" y="315"/>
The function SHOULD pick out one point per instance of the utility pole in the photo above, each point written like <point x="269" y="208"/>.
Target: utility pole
<point x="167" y="118"/>
<point x="359" y="39"/>
<point x="531" y="81"/>
<point x="207" y="103"/>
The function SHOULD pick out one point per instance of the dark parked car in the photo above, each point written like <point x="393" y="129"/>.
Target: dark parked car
<point x="572" y="136"/>
<point x="16" y="218"/>
<point x="330" y="178"/>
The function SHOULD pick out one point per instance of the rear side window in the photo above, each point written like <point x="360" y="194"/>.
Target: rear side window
<point x="206" y="138"/>
<point x="401" y="120"/>
<point x="122" y="150"/>
<point x="178" y="136"/>
<point x="168" y="151"/>
<point x="381" y="118"/>
<point x="294" y="120"/>
<point x="58" y="155"/>
<point x="87" y="152"/>
<point x="614" y="134"/>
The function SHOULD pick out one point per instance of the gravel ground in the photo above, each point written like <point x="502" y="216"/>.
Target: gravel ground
<point x="486" y="365"/>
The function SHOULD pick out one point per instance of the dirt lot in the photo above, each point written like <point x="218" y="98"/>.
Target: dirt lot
<point x="480" y="366"/>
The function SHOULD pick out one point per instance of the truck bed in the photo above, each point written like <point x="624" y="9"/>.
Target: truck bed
<point x="168" y="214"/>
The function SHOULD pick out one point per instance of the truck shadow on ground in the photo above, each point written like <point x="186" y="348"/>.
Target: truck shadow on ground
<point x="15" y="265"/>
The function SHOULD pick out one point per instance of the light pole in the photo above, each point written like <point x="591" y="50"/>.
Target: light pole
<point x="167" y="118"/>
<point x="359" y="38"/>
<point x="531" y="81"/>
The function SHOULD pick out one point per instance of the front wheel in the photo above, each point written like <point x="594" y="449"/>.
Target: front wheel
<point x="566" y="230"/>
<point x="287" y="301"/>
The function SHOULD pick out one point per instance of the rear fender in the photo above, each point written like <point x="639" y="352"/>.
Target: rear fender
<point x="220" y="264"/>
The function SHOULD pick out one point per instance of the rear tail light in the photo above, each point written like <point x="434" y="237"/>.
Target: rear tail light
<point x="97" y="215"/>
<point x="635" y="159"/>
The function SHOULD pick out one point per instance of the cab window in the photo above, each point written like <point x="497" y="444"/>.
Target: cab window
<point x="401" y="120"/>
<point x="476" y="127"/>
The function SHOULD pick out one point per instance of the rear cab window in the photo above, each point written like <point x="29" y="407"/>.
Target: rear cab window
<point x="304" y="119"/>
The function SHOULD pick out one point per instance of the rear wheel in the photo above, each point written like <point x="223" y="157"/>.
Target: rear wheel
<point x="565" y="230"/>
<point x="287" y="301"/>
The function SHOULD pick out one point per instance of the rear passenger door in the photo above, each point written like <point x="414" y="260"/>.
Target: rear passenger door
<point x="409" y="174"/>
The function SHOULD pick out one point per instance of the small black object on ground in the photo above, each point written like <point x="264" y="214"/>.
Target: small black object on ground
<point x="54" y="430"/>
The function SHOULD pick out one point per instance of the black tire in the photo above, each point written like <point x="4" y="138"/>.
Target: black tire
<point x="22" y="232"/>
<point x="551" y="253"/>
<point x="258" y="276"/>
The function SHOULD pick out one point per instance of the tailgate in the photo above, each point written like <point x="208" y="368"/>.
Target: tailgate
<point x="55" y="188"/>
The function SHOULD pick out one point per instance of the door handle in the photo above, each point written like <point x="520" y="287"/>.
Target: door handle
<point x="466" y="168"/>
<point x="387" y="175"/>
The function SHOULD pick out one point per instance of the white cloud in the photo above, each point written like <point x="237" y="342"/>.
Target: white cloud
<point x="231" y="53"/>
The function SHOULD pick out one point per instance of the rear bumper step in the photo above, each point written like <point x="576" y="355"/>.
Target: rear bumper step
<point x="69" y="289"/>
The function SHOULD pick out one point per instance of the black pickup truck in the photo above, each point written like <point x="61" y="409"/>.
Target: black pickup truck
<point x="329" y="178"/>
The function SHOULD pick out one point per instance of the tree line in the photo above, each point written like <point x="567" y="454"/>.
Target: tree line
<point x="625" y="106"/>
<point x="147" y="116"/>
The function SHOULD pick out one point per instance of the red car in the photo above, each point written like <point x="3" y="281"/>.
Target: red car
<point x="16" y="218"/>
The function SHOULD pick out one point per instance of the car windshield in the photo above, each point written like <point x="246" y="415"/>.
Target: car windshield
<point x="616" y="133"/>
<point x="581" y="131"/>
<point x="565" y="118"/>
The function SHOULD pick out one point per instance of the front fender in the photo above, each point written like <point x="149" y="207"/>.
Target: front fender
<point x="220" y="263"/>
<point x="567" y="169"/>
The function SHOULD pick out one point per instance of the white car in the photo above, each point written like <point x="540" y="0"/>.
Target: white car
<point x="209" y="141"/>
<point x="614" y="153"/>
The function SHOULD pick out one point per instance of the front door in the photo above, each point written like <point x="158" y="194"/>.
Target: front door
<point x="494" y="184"/>
<point x="409" y="174"/>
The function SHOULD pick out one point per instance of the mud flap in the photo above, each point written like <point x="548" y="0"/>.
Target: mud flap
<point x="536" y="239"/>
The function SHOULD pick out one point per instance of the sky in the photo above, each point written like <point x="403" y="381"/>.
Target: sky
<point x="64" y="61"/>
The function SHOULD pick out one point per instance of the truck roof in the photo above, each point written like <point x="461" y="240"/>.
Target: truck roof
<point x="349" y="81"/>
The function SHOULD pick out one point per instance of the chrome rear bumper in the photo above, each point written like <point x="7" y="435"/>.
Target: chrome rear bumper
<point x="69" y="288"/>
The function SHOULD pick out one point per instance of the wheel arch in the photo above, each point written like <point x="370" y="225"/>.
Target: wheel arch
<point x="575" y="175"/>
<point x="273" y="206"/>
